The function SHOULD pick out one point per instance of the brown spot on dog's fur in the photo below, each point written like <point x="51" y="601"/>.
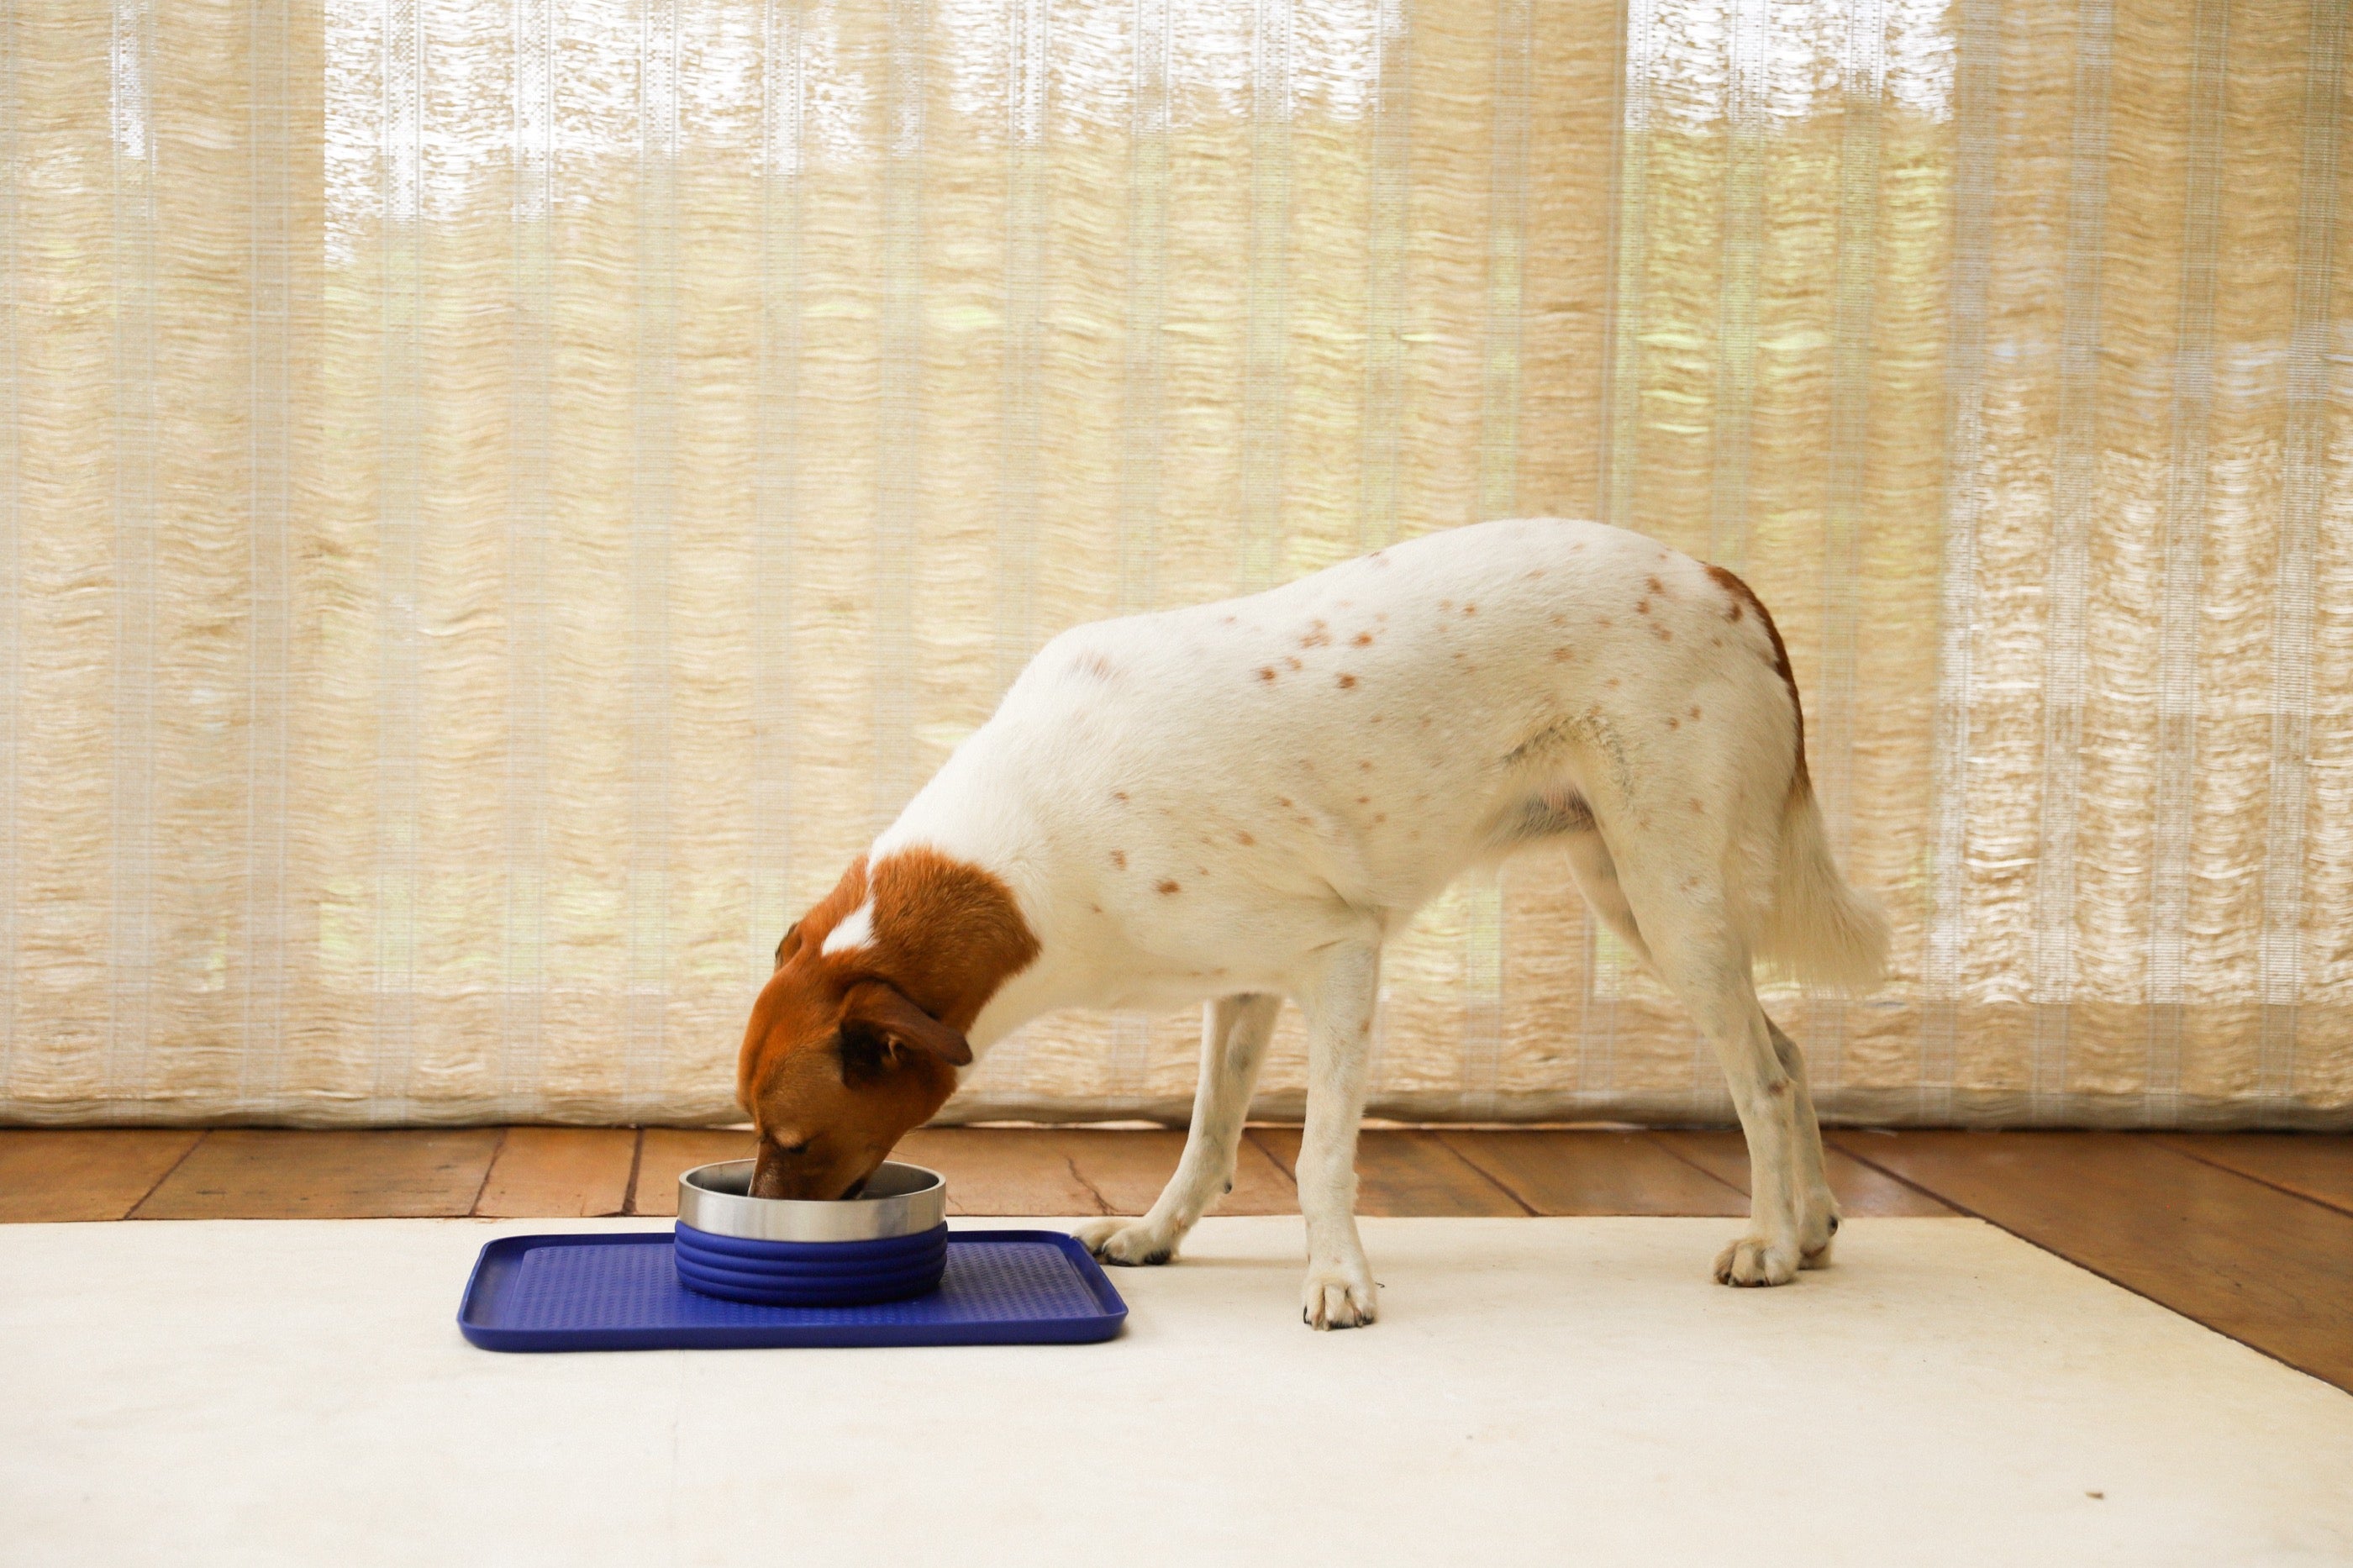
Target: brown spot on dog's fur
<point x="1534" y="575"/>
<point x="1283" y="801"/>
<point x="1164" y="886"/>
<point x="1364" y="800"/>
<point x="1469" y="609"/>
<point x="1603" y="623"/>
<point x="1656" y="587"/>
<point x="1612" y="681"/>
<point x="1362" y="639"/>
<point x="1118" y="794"/>
<point x="1642" y="607"/>
<point x="1695" y="714"/>
<point x="1380" y="816"/>
<point x="1096" y="664"/>
<point x="1266" y="672"/>
<point x="1364" y="764"/>
<point x="1673" y="723"/>
<point x="1346" y="681"/>
<point x="1562" y="655"/>
<point x="1119" y="858"/>
<point x="1696" y="807"/>
<point x="1242" y="836"/>
<point x="1293" y="662"/>
<point x="1662" y="634"/>
<point x="1316" y="636"/>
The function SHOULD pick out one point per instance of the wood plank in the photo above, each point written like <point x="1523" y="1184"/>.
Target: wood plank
<point x="257" y="1173"/>
<point x="1405" y="1174"/>
<point x="49" y="1175"/>
<point x="1006" y="1171"/>
<point x="2316" y="1165"/>
<point x="1575" y="1172"/>
<point x="1859" y="1189"/>
<point x="1128" y="1169"/>
<point x="560" y="1172"/>
<point x="2264" y="1267"/>
<point x="665" y="1153"/>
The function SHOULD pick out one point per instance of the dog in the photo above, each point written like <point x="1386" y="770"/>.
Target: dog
<point x="1244" y="801"/>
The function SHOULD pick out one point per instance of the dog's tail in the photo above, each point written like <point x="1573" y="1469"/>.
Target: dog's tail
<point x="1818" y="930"/>
<point x="1815" y="929"/>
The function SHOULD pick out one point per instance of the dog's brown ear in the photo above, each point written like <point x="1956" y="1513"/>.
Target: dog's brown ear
<point x="878" y="1012"/>
<point x="790" y="945"/>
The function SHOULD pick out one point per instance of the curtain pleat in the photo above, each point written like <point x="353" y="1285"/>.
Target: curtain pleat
<point x="500" y="499"/>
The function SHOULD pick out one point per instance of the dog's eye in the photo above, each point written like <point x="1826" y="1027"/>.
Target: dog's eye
<point x="799" y="1148"/>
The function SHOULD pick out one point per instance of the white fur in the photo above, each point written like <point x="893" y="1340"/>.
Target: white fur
<point x="1179" y="828"/>
<point x="855" y="929"/>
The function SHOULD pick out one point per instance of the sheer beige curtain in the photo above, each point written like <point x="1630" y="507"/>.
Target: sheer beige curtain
<point x="502" y="498"/>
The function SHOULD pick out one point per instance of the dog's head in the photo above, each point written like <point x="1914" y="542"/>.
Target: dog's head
<point x="848" y="1050"/>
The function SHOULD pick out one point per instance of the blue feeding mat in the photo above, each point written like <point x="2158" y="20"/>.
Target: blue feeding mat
<point x="620" y="1292"/>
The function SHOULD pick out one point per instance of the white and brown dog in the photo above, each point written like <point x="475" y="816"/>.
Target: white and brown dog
<point x="1243" y="801"/>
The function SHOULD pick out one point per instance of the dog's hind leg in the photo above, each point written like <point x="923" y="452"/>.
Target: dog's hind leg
<point x="1234" y="1033"/>
<point x="1597" y="879"/>
<point x="1676" y="891"/>
<point x="1818" y="1214"/>
<point x="1340" y="1293"/>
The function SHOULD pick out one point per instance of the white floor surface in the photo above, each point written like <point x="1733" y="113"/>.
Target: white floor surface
<point x="1537" y="1392"/>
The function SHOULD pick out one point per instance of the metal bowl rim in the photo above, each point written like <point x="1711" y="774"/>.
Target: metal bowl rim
<point x="717" y="1212"/>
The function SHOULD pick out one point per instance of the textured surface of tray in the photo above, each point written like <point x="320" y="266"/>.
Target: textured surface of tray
<point x="583" y="1292"/>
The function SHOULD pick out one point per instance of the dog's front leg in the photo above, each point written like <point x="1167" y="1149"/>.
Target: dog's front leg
<point x="1234" y="1032"/>
<point x="1340" y="1291"/>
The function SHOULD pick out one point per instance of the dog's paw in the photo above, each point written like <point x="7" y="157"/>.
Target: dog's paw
<point x="1131" y="1242"/>
<point x="1814" y="1252"/>
<point x="1753" y="1261"/>
<point x="1339" y="1295"/>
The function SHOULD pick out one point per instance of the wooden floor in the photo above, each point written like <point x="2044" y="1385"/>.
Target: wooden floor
<point x="2250" y="1234"/>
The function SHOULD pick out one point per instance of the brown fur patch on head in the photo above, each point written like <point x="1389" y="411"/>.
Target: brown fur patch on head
<point x="1741" y="595"/>
<point x="846" y="1052"/>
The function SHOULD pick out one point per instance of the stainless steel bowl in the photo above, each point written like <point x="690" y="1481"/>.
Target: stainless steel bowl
<point x="897" y="1199"/>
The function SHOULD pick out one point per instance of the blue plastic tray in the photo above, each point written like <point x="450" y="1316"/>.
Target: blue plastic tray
<point x="620" y="1292"/>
